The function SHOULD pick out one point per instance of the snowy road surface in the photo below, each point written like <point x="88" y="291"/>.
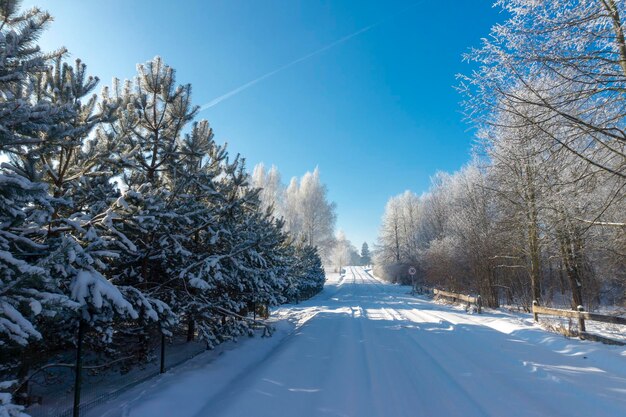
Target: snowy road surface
<point x="364" y="348"/>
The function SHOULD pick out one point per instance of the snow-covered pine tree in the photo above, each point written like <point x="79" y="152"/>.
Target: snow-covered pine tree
<point x="22" y="117"/>
<point x="235" y="247"/>
<point x="197" y="177"/>
<point x="308" y="271"/>
<point x="242" y="261"/>
<point x="271" y="273"/>
<point x="24" y="205"/>
<point x="81" y="189"/>
<point x="302" y="278"/>
<point x="147" y="133"/>
<point x="26" y="288"/>
<point x="269" y="260"/>
<point x="82" y="246"/>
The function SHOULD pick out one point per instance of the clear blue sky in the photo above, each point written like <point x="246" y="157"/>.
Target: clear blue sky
<point x="377" y="113"/>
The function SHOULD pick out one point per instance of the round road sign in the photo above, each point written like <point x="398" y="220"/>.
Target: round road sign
<point x="412" y="270"/>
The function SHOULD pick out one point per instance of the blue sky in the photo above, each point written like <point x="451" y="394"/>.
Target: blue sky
<point x="377" y="113"/>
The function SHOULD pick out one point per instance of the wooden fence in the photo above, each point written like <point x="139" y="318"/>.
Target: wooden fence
<point x="477" y="301"/>
<point x="581" y="315"/>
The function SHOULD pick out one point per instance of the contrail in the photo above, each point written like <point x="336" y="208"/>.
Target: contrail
<point x="346" y="38"/>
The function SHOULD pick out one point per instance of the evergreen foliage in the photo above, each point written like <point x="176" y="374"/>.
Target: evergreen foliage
<point x="366" y="256"/>
<point x="120" y="212"/>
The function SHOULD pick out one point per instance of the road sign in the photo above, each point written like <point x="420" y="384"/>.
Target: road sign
<point x="412" y="271"/>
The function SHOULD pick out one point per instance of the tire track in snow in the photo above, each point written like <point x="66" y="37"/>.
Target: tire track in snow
<point x="224" y="399"/>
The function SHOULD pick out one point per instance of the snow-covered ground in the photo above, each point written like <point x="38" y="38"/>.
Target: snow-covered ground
<point x="366" y="348"/>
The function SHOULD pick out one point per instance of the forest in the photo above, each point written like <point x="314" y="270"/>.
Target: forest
<point x="538" y="213"/>
<point x="122" y="221"/>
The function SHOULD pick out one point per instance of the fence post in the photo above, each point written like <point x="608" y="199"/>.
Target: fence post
<point x="479" y="304"/>
<point x="581" y="320"/>
<point x="535" y="315"/>
<point x="162" y="370"/>
<point x="78" y="369"/>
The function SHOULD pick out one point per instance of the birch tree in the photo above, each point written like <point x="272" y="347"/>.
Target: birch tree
<point x="566" y="60"/>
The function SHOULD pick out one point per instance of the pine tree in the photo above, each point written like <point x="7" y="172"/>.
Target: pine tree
<point x="24" y="204"/>
<point x="239" y="260"/>
<point x="200" y="185"/>
<point x="26" y="287"/>
<point x="118" y="214"/>
<point x="366" y="257"/>
<point x="80" y="186"/>
<point x="145" y="138"/>
<point x="308" y="271"/>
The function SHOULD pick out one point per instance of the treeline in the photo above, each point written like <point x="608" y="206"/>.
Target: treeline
<point x="539" y="214"/>
<point x="308" y="215"/>
<point x="303" y="205"/>
<point x="121" y="215"/>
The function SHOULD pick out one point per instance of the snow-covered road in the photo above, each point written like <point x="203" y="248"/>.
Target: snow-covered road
<point x="365" y="348"/>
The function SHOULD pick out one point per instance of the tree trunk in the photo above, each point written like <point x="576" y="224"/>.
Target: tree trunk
<point x="191" y="329"/>
<point x="78" y="369"/>
<point x="535" y="258"/>
<point x="570" y="255"/>
<point x="21" y="396"/>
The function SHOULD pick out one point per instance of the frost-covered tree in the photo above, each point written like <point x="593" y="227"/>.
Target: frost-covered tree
<point x="303" y="205"/>
<point x="293" y="221"/>
<point x="472" y="223"/>
<point x="388" y="249"/>
<point x="565" y="60"/>
<point x="549" y="95"/>
<point x="513" y="227"/>
<point x="397" y="246"/>
<point x="448" y="234"/>
<point x="272" y="189"/>
<point x="518" y="160"/>
<point x="316" y="213"/>
<point x="344" y="253"/>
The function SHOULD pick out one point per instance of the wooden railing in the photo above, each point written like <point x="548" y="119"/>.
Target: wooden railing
<point x="477" y="301"/>
<point x="581" y="315"/>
